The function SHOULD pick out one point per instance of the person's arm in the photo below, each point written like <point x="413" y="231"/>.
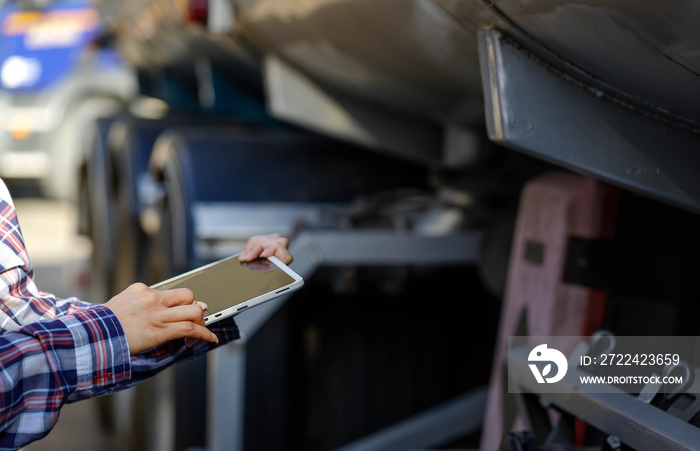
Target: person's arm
<point x="42" y="363"/>
<point x="54" y="350"/>
<point x="147" y="361"/>
<point x="91" y="352"/>
<point x="156" y="325"/>
<point x="22" y="302"/>
<point x="45" y="364"/>
<point x="23" y="305"/>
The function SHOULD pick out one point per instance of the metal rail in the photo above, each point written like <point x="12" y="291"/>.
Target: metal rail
<point x="312" y="250"/>
<point x="635" y="423"/>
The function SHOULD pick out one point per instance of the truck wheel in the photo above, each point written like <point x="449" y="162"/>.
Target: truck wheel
<point x="71" y="144"/>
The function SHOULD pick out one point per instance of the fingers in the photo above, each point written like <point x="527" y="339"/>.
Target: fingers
<point x="267" y="246"/>
<point x="187" y="321"/>
<point x="189" y="341"/>
<point x="188" y="329"/>
<point x="168" y="298"/>
<point x="176" y="296"/>
<point x="278" y="250"/>
<point x="150" y="317"/>
<point x="251" y="251"/>
<point x="192" y="312"/>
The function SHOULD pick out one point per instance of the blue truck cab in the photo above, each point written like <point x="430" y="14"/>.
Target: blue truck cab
<point x="57" y="74"/>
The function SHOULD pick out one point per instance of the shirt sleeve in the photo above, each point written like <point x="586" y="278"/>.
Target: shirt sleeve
<point x="152" y="361"/>
<point x="22" y="302"/>
<point x="43" y="363"/>
<point x="23" y="305"/>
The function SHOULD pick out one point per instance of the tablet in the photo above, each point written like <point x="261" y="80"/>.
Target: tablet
<point x="230" y="286"/>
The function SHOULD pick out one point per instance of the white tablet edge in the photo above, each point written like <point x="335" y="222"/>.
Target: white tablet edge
<point x="192" y="271"/>
<point x="236" y="309"/>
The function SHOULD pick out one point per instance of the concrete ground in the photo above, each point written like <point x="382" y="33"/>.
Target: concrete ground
<point x="61" y="262"/>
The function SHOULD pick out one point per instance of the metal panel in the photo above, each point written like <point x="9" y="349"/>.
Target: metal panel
<point x="646" y="51"/>
<point x="532" y="108"/>
<point x="369" y="247"/>
<point x="222" y="228"/>
<point x="405" y="54"/>
<point x="296" y="98"/>
<point x="226" y="393"/>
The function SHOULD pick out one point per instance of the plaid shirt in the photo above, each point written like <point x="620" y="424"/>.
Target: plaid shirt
<point x="54" y="351"/>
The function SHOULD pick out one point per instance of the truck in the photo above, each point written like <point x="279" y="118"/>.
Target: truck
<point x="451" y="174"/>
<point x="57" y="75"/>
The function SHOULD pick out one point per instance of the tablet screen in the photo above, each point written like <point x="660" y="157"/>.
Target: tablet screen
<point x="230" y="282"/>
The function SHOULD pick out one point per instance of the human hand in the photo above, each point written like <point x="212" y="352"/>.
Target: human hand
<point x="150" y="317"/>
<point x="267" y="246"/>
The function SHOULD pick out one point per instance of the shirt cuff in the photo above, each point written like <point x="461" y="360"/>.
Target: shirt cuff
<point x="101" y="350"/>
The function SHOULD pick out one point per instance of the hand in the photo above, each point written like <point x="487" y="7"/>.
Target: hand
<point x="267" y="246"/>
<point x="150" y="317"/>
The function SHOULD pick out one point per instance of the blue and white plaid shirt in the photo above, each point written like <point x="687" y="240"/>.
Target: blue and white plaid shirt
<point x="54" y="351"/>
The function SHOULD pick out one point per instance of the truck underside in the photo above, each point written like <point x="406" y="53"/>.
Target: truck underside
<point x="450" y="173"/>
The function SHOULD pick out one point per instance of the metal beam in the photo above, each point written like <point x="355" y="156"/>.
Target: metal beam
<point x="364" y="247"/>
<point x="226" y="398"/>
<point x="386" y="248"/>
<point x="449" y="421"/>
<point x="535" y="109"/>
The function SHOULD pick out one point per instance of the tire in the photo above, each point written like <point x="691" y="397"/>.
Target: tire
<point x="71" y="145"/>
